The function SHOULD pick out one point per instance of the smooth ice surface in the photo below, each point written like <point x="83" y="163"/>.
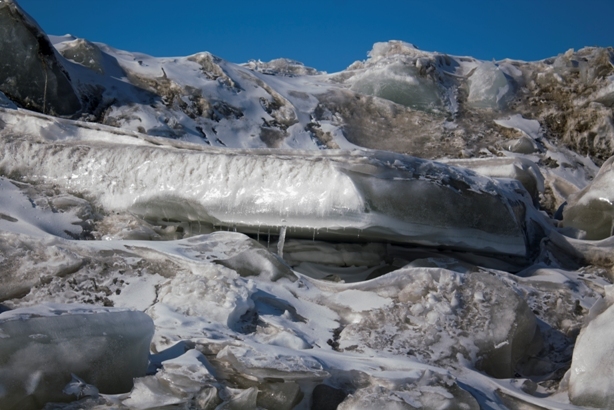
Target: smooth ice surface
<point x="592" y="209"/>
<point x="399" y="83"/>
<point x="590" y="380"/>
<point x="489" y="87"/>
<point x="40" y="347"/>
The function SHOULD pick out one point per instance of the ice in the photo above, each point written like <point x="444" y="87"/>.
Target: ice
<point x="32" y="74"/>
<point x="399" y="83"/>
<point x="21" y="214"/>
<point x="213" y="292"/>
<point x="298" y="251"/>
<point x="398" y="282"/>
<point x="489" y="87"/>
<point x="443" y="315"/>
<point x="279" y="395"/>
<point x="371" y="194"/>
<point x="590" y="380"/>
<point x="79" y="388"/>
<point x="258" y="262"/>
<point x="530" y="128"/>
<point x="25" y="262"/>
<point x="42" y="346"/>
<point x="521" y="169"/>
<point x="592" y="209"/>
<point x="429" y="391"/>
<point x="282" y="66"/>
<point x="179" y="380"/>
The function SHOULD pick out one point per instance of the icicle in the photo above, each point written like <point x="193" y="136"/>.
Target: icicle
<point x="314" y="235"/>
<point x="268" y="241"/>
<point x="258" y="234"/>
<point x="280" y="242"/>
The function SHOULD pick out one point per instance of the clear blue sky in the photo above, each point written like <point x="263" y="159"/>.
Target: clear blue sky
<point x="330" y="35"/>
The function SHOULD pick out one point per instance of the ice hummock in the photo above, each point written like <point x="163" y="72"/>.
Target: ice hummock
<point x="41" y="346"/>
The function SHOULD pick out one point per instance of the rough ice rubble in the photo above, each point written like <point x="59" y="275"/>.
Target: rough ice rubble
<point x="40" y="347"/>
<point x="446" y="316"/>
<point x="591" y="209"/>
<point x="282" y="319"/>
<point x="177" y="381"/>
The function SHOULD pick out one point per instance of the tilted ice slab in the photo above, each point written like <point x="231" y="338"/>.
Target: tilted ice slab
<point x="40" y="347"/>
<point x="590" y="376"/>
<point x="336" y="194"/>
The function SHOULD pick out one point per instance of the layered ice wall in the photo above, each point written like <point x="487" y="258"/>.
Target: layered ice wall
<point x="359" y="194"/>
<point x="41" y="347"/>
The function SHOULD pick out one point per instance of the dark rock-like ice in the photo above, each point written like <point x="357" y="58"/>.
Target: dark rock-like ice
<point x="31" y="72"/>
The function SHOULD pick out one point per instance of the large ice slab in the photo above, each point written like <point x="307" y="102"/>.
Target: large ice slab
<point x="336" y="194"/>
<point x="41" y="346"/>
<point x="31" y="74"/>
<point x="592" y="209"/>
<point x="399" y="83"/>
<point x="590" y="382"/>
